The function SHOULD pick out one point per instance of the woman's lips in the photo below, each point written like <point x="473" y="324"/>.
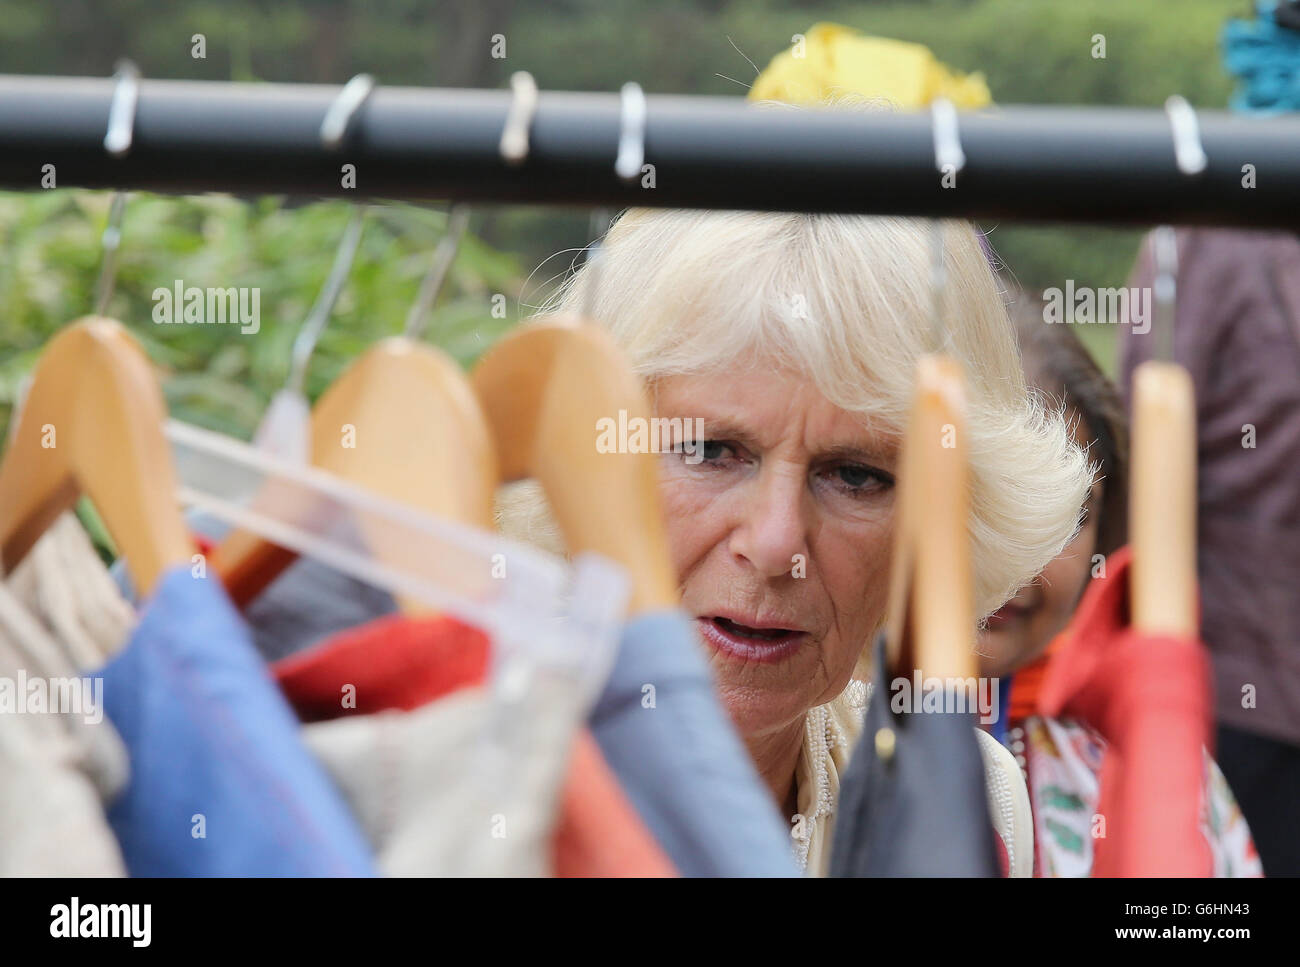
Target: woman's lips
<point x="749" y="644"/>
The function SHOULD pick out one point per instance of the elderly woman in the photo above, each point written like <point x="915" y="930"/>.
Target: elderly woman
<point x="794" y="338"/>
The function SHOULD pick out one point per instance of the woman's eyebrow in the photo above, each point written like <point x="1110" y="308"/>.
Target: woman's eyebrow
<point x="881" y="455"/>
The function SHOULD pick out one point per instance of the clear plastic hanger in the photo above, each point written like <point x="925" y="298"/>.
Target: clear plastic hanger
<point x="535" y="607"/>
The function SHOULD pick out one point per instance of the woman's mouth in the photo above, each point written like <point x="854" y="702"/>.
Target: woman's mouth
<point x="748" y="643"/>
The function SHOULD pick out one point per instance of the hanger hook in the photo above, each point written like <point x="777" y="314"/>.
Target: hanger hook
<point x="1189" y="153"/>
<point x="947" y="136"/>
<point x="118" y="139"/>
<point x="948" y="154"/>
<point x="333" y="129"/>
<point x="304" y="344"/>
<point x="519" y="118"/>
<point x="339" y="115"/>
<point x="121" y="110"/>
<point x="417" y="320"/>
<point x="631" y="138"/>
<point x="1165" y="244"/>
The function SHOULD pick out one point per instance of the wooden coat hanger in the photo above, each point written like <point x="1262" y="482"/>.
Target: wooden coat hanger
<point x="931" y="624"/>
<point x="403" y="422"/>
<point x="931" y="617"/>
<point x="543" y="389"/>
<point x="92" y="424"/>
<point x="92" y="421"/>
<point x="1162" y="496"/>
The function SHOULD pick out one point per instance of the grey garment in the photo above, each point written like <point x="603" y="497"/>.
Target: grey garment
<point x="921" y="808"/>
<point x="60" y="766"/>
<point x="306" y="603"/>
<point x="1237" y="330"/>
<point x="435" y="798"/>
<point x="664" y="732"/>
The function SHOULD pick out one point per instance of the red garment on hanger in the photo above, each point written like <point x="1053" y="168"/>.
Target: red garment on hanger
<point x="403" y="663"/>
<point x="1149" y="697"/>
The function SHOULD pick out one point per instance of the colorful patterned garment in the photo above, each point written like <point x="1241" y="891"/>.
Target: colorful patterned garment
<point x="1061" y="760"/>
<point x="1062" y="764"/>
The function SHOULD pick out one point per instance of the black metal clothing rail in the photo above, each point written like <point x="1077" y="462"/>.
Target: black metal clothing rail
<point x="1056" y="164"/>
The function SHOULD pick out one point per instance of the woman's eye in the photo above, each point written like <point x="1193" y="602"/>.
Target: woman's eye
<point x="702" y="451"/>
<point x="855" y="478"/>
<point x="712" y="449"/>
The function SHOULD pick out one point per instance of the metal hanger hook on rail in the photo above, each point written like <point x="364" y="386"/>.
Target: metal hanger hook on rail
<point x="631" y="138"/>
<point x="1164" y="243"/>
<point x="417" y="320"/>
<point x="514" y="145"/>
<point x="333" y="128"/>
<point x="948" y="155"/>
<point x="118" y="139"/>
<point x="338" y="117"/>
<point x="1189" y="154"/>
<point x="627" y="165"/>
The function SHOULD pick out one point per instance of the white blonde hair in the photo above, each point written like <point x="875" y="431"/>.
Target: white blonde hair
<point x="846" y="300"/>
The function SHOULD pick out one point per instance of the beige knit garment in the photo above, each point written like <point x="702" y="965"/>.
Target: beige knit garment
<point x="831" y="733"/>
<point x="434" y="794"/>
<point x="60" y="616"/>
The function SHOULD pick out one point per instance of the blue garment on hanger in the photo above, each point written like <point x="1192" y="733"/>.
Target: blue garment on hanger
<point x="221" y="784"/>
<point x="1264" y="56"/>
<point x="680" y="759"/>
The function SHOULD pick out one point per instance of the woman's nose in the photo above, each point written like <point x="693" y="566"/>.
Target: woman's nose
<point x="773" y="529"/>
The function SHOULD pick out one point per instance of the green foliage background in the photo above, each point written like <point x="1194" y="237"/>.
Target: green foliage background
<point x="1031" y="51"/>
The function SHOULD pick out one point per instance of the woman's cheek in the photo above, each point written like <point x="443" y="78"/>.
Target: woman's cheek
<point x="855" y="576"/>
<point x="693" y="516"/>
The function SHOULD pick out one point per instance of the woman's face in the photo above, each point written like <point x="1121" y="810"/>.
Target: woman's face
<point x="780" y="534"/>
<point x="1019" y="631"/>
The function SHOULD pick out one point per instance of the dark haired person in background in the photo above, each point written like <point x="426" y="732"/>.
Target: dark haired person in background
<point x="1061" y="758"/>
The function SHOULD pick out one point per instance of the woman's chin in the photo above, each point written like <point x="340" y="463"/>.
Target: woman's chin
<point x="758" y="710"/>
<point x="998" y="650"/>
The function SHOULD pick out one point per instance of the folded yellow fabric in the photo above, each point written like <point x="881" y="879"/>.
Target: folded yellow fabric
<point x="834" y="60"/>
